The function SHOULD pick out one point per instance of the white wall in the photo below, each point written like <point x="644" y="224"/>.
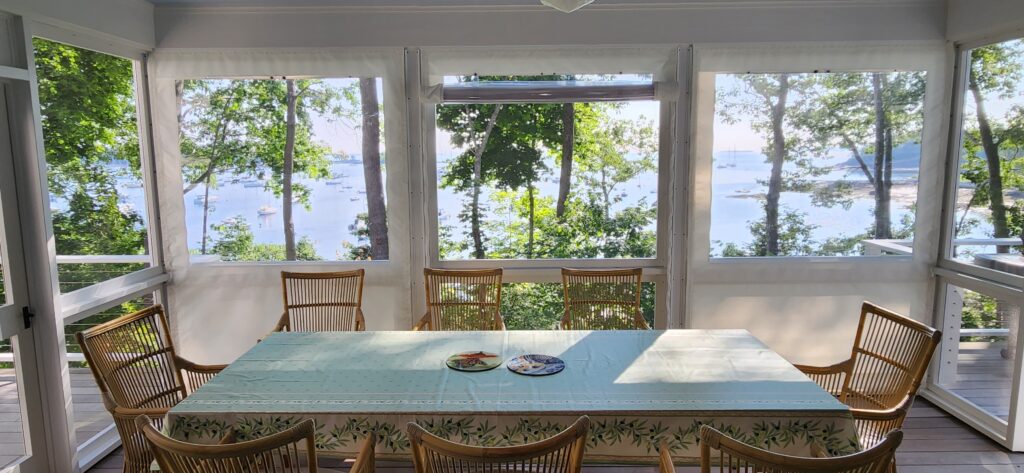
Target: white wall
<point x="976" y="19"/>
<point x="127" y="22"/>
<point x="599" y="23"/>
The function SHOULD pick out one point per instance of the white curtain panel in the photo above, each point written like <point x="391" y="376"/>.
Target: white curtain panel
<point x="440" y="62"/>
<point x="731" y="292"/>
<point x="244" y="299"/>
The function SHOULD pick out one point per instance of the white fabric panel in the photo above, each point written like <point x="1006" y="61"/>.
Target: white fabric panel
<point x="207" y="300"/>
<point x="807" y="323"/>
<point x="820" y="57"/>
<point x="497" y="61"/>
<point x="263" y="63"/>
<point x="806" y="294"/>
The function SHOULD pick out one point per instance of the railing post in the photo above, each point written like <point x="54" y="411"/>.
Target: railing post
<point x="949" y="350"/>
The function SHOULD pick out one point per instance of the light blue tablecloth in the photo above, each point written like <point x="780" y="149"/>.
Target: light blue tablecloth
<point x="638" y="386"/>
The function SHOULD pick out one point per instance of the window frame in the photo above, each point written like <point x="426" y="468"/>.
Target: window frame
<point x="828" y="57"/>
<point x="665" y="65"/>
<point x="659" y="261"/>
<point x="949" y="272"/>
<point x="84" y="302"/>
<point x="947" y="246"/>
<point x="388" y="161"/>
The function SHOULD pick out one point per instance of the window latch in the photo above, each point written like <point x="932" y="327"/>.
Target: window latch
<point x="26" y="315"/>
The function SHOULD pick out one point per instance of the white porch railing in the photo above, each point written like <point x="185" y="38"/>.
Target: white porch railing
<point x="905" y="247"/>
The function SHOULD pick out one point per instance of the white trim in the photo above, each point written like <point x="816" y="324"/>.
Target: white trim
<point x="98" y="447"/>
<point x="47" y="341"/>
<point x="981" y="285"/>
<point x="455" y="7"/>
<point x="979" y="272"/>
<point x="13" y="73"/>
<point x="422" y="235"/>
<point x="88" y="39"/>
<point x="98" y="297"/>
<point x="967" y="412"/>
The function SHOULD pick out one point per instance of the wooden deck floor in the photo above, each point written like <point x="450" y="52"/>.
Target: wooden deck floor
<point x="90" y="416"/>
<point x="983" y="377"/>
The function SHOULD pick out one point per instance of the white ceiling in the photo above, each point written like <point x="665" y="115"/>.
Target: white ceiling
<point x="431" y="3"/>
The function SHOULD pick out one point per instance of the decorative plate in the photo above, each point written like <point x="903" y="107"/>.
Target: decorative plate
<point x="473" y="361"/>
<point x="536" y="365"/>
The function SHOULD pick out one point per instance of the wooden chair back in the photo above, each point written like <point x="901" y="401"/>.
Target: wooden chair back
<point x="562" y="453"/>
<point x="323" y="302"/>
<point x="889" y="360"/>
<point x="602" y="299"/>
<point x="719" y="452"/>
<point x="463" y="299"/>
<point x="290" y="451"/>
<point x="133" y="359"/>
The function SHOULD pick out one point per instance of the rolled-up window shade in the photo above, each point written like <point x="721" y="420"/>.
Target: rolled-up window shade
<point x="547" y="91"/>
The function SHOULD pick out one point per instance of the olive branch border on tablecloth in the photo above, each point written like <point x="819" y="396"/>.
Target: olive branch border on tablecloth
<point x="640" y="433"/>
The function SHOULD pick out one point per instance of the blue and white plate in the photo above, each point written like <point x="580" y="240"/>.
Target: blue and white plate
<point x="536" y="365"/>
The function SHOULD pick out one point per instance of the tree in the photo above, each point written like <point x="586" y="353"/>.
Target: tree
<point x="868" y="115"/>
<point x="259" y="128"/>
<point x="765" y="103"/>
<point x="568" y="142"/>
<point x="376" y="212"/>
<point x="506" y="146"/>
<point x="235" y="242"/>
<point x="995" y="72"/>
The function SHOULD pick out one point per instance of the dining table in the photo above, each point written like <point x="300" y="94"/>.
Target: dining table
<point x="640" y="388"/>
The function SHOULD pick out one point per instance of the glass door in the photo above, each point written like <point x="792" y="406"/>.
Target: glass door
<point x="22" y="441"/>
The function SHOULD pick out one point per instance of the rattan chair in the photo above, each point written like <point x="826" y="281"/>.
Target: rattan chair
<point x="322" y="302"/>
<point x="719" y="452"/>
<point x="562" y="453"/>
<point x="462" y="300"/>
<point x="602" y="299"/>
<point x="139" y="373"/>
<point x="665" y="462"/>
<point x="880" y="379"/>
<point x="291" y="450"/>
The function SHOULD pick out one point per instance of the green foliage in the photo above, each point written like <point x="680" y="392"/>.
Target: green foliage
<point x="795" y="237"/>
<point x="524" y="146"/>
<point x="996" y="70"/>
<point x="234" y="242"/>
<point x="539" y="306"/>
<point x="823" y="113"/>
<point x="239" y="127"/>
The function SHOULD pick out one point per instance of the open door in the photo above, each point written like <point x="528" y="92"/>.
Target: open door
<point x="22" y="440"/>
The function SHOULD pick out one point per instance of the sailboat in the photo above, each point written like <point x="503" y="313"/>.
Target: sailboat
<point x="267" y="210"/>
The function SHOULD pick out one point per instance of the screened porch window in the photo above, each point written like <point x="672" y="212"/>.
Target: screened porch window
<point x="816" y="164"/>
<point x="94" y="172"/>
<point x="989" y="214"/>
<point x="543" y="167"/>
<point x="283" y="169"/>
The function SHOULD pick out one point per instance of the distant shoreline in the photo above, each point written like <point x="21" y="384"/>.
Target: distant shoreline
<point x="904" y="192"/>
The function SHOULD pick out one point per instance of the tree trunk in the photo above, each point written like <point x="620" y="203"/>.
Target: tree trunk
<point x="883" y="224"/>
<point x="206" y="214"/>
<point x="529" y="240"/>
<point x="289" y="165"/>
<point x="568" y="145"/>
<point x="778" y="158"/>
<point x="995" y="176"/>
<point x="376" y="212"/>
<point x="478" y="155"/>
<point x="179" y="98"/>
